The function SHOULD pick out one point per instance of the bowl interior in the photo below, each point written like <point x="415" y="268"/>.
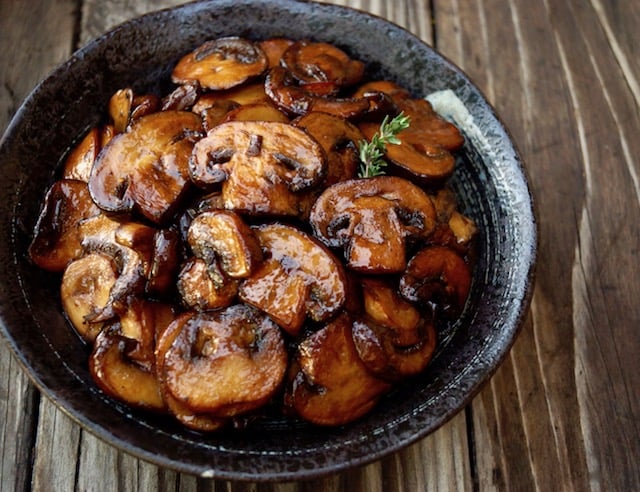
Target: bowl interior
<point x="489" y="180"/>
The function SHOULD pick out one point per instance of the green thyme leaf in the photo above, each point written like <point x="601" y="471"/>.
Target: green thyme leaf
<point x="371" y="154"/>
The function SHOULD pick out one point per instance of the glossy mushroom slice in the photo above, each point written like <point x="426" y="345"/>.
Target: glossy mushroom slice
<point x="252" y="93"/>
<point x="299" y="277"/>
<point x="295" y="99"/>
<point x="56" y="240"/>
<point x="147" y="167"/>
<point x="203" y="286"/>
<point x="221" y="64"/>
<point x="80" y="160"/>
<point x="311" y="63"/>
<point x="274" y="48"/>
<point x="372" y="219"/>
<point x="224" y="363"/>
<point x="121" y="377"/>
<point x="392" y="338"/>
<point x="85" y="290"/>
<point x="333" y="386"/>
<point x="437" y="277"/>
<point x="262" y="165"/>
<point x="339" y="138"/>
<point x="262" y="111"/>
<point x="223" y="236"/>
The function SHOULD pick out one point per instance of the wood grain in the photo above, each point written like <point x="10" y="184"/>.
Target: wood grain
<point x="563" y="410"/>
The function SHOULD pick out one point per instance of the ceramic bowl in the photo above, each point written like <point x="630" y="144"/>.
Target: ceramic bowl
<point x="490" y="182"/>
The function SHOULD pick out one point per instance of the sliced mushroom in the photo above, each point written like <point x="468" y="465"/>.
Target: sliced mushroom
<point x="221" y="63"/>
<point x="121" y="377"/>
<point x="311" y="62"/>
<point x="372" y="219"/>
<point x="261" y="165"/>
<point x="238" y="351"/>
<point x="392" y="339"/>
<point x="285" y="92"/>
<point x="217" y="113"/>
<point x="56" y="240"/>
<point x="203" y="286"/>
<point x="395" y="91"/>
<point x="85" y="290"/>
<point x="223" y="235"/>
<point x="244" y="94"/>
<point x="438" y="277"/>
<point x="120" y="108"/>
<point x="185" y="415"/>
<point x="333" y="386"/>
<point x="182" y="98"/>
<point x="147" y="167"/>
<point x="339" y="138"/>
<point x="274" y="48"/>
<point x="164" y="263"/>
<point x="129" y="245"/>
<point x="298" y="278"/>
<point x="262" y="111"/>
<point x="80" y="160"/>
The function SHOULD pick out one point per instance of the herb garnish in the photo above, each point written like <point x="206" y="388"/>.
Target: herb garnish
<point x="372" y="153"/>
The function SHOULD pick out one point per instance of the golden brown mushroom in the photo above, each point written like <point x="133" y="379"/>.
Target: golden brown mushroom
<point x="298" y="278"/>
<point x="261" y="165"/>
<point x="333" y="386"/>
<point x="147" y="167"/>
<point x="372" y="219"/>
<point x="221" y="63"/>
<point x="224" y="363"/>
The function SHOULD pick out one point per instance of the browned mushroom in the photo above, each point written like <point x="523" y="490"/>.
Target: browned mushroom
<point x="285" y="92"/>
<point x="85" y="290"/>
<point x="120" y="105"/>
<point x="262" y="111"/>
<point x="221" y="63"/>
<point x="238" y="351"/>
<point x="438" y="277"/>
<point x="298" y="278"/>
<point x="80" y="160"/>
<point x="395" y="91"/>
<point x="204" y="286"/>
<point x="182" y="98"/>
<point x="146" y="167"/>
<point x="164" y="262"/>
<point x="311" y="62"/>
<point x="244" y="94"/>
<point x="372" y="219"/>
<point x="339" y="139"/>
<point x="274" y="48"/>
<point x="56" y="241"/>
<point x="261" y="165"/>
<point x="392" y="339"/>
<point x="333" y="386"/>
<point x="222" y="235"/>
<point x="120" y="376"/>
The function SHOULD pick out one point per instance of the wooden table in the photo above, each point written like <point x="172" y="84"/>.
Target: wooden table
<point x="563" y="410"/>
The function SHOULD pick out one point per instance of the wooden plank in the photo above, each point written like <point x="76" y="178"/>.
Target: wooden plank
<point x="20" y="69"/>
<point x="566" y="393"/>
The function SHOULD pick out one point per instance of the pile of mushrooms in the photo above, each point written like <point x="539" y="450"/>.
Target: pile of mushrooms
<point x="221" y="257"/>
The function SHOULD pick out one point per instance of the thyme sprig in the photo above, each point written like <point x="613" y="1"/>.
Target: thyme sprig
<point x="371" y="154"/>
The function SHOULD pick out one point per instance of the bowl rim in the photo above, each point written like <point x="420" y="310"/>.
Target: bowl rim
<point x="497" y="352"/>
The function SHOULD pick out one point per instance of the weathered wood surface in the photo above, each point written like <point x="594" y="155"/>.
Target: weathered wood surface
<point x="563" y="411"/>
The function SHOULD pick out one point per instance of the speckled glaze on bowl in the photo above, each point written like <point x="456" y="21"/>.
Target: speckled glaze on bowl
<point x="140" y="53"/>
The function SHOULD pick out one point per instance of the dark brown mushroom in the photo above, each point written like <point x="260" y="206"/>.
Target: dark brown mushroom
<point x="285" y="92"/>
<point x="332" y="386"/>
<point x="298" y="278"/>
<point x="274" y="48"/>
<point x="80" y="160"/>
<point x="244" y="94"/>
<point x="120" y="105"/>
<point x="221" y="63"/>
<point x="164" y="263"/>
<point x="261" y="165"/>
<point x="438" y="277"/>
<point x="147" y="167"/>
<point x="339" y="138"/>
<point x="262" y="111"/>
<point x="372" y="219"/>
<point x="393" y="339"/>
<point x="238" y="351"/>
<point x="311" y="62"/>
<point x="56" y="240"/>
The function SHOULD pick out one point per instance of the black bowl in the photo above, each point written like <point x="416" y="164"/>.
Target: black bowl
<point x="489" y="179"/>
